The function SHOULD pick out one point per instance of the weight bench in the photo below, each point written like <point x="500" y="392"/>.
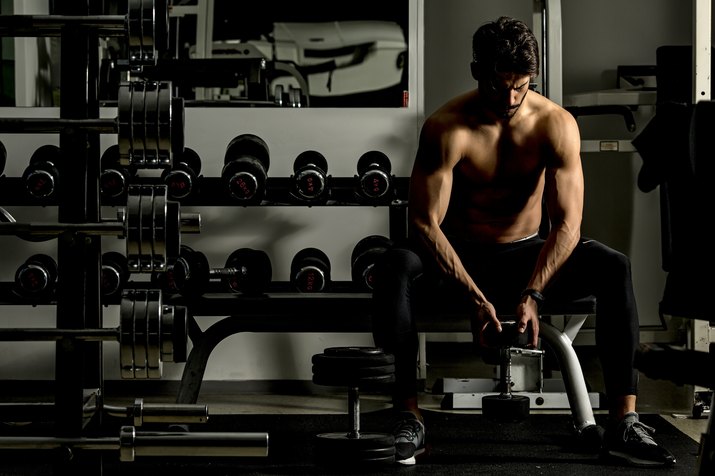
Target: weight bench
<point x="317" y="313"/>
<point x="569" y="392"/>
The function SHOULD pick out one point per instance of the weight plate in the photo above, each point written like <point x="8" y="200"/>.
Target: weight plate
<point x="173" y="231"/>
<point x="153" y="316"/>
<point x="140" y="334"/>
<point x="347" y="380"/>
<point x="167" y="333"/>
<point x="178" y="118"/>
<point x="161" y="25"/>
<point x="134" y="30"/>
<point x="375" y="354"/>
<point x="124" y="119"/>
<point x="147" y="229"/>
<point x="148" y="32"/>
<point x="366" y="441"/>
<point x="126" y="334"/>
<point x="164" y="124"/>
<point x="327" y="371"/>
<point x="159" y="238"/>
<point x="133" y="228"/>
<point x="151" y="117"/>
<point x="180" y="334"/>
<point x="506" y="408"/>
<point x="138" y="124"/>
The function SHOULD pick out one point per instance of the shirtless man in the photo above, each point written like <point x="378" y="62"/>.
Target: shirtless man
<point x="486" y="160"/>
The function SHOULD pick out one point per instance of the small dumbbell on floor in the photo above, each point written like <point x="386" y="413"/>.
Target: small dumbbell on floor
<point x="355" y="368"/>
<point x="506" y="406"/>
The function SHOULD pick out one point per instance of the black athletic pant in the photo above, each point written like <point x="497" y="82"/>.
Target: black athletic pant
<point x="405" y="283"/>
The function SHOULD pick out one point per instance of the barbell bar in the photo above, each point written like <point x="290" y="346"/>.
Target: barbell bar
<point x="149" y="334"/>
<point x="131" y="443"/>
<point x="149" y="124"/>
<point x="145" y="27"/>
<point x="150" y="224"/>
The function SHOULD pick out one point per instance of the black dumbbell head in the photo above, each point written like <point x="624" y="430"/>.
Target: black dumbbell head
<point x="310" y="169"/>
<point x="310" y="158"/>
<point x="374" y="174"/>
<point x="191" y="272"/>
<point x="180" y="179"/>
<point x="245" y="168"/>
<point x="248" y="145"/>
<point x="37" y="275"/>
<point x="253" y="271"/>
<point x="114" y="274"/>
<point x="310" y="270"/>
<point x="373" y="159"/>
<point x="114" y="178"/>
<point x="42" y="176"/>
<point x="364" y="257"/>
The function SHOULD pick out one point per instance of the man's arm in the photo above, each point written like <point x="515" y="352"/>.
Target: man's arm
<point x="430" y="191"/>
<point x="563" y="192"/>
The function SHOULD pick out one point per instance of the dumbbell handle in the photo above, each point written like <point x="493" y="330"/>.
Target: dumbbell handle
<point x="155" y="443"/>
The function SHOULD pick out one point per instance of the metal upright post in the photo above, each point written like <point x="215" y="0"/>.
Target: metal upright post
<point x="78" y="365"/>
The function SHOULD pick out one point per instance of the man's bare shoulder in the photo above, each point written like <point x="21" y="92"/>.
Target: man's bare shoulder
<point x="548" y="112"/>
<point x="453" y="115"/>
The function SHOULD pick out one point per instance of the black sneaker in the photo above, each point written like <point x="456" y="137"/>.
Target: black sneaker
<point x="631" y="441"/>
<point x="409" y="434"/>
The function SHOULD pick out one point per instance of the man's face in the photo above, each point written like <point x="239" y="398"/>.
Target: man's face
<point x="504" y="92"/>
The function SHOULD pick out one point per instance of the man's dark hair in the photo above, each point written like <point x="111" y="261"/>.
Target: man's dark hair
<point x="506" y="45"/>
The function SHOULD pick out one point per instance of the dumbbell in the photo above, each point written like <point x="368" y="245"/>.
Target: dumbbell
<point x="364" y="257"/>
<point x="247" y="271"/>
<point x="309" y="179"/>
<point x="374" y="181"/>
<point x="114" y="273"/>
<point x="310" y="271"/>
<point x="245" y="168"/>
<point x="36" y="277"/>
<point x="355" y="368"/>
<point x="506" y="406"/>
<point x="114" y="177"/>
<point x="42" y="176"/>
<point x="182" y="178"/>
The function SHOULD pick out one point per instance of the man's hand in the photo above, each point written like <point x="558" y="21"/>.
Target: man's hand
<point x="527" y="313"/>
<point x="485" y="316"/>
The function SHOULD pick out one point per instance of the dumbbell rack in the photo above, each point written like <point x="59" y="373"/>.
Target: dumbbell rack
<point x="78" y="411"/>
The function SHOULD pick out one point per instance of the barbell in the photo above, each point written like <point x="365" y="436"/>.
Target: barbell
<point x="145" y="27"/>
<point x="131" y="443"/>
<point x="149" y="124"/>
<point x="150" y="224"/>
<point x="149" y="334"/>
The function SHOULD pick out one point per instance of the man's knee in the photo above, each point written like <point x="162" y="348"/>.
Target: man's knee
<point x="397" y="264"/>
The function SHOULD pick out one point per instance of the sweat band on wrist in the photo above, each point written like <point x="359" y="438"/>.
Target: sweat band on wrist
<point x="535" y="295"/>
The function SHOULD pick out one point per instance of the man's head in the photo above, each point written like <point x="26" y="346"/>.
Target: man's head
<point x="505" y="58"/>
